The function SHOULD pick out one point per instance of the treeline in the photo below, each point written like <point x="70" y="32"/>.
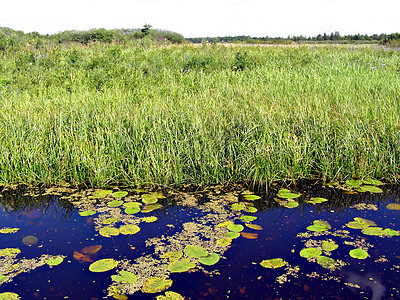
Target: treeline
<point x="10" y="37"/>
<point x="334" y="37"/>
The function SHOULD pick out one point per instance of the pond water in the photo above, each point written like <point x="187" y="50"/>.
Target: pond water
<point x="329" y="242"/>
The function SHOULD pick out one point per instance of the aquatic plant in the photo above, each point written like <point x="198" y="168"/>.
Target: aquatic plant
<point x="287" y="194"/>
<point x="247" y="218"/>
<point x="329" y="246"/>
<point x="235" y="227"/>
<point x="115" y="203"/>
<point x="9" y="296"/>
<point x="8" y="230"/>
<point x="9" y="252"/>
<point x="319" y="225"/>
<point x="149" y="198"/>
<point x="149" y="219"/>
<point x="119" y="194"/>
<point x="30" y="240"/>
<point x="183" y="265"/>
<point x="317" y="200"/>
<point x="172" y="255"/>
<point x="55" y="261"/>
<point x="103" y="265"/>
<point x="327" y="262"/>
<point x="251" y="197"/>
<point x="156" y="285"/>
<point x="310" y="252"/>
<point x="209" y="260"/>
<point x="254" y="226"/>
<point x="195" y="251"/>
<point x="87" y="213"/>
<point x="232" y="235"/>
<point x="359" y="253"/>
<point x="124" y="277"/>
<point x="169" y="295"/>
<point x="132" y="210"/>
<point x="109" y="231"/>
<point x="102" y="193"/>
<point x="224" y="241"/>
<point x="273" y="263"/>
<point x="129" y="229"/>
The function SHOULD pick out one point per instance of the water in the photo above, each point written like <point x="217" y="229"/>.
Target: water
<point x="55" y="221"/>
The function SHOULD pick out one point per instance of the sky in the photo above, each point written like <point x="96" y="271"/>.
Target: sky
<point x="206" y="18"/>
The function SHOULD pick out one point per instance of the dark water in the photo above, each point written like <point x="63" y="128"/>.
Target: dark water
<point x="60" y="230"/>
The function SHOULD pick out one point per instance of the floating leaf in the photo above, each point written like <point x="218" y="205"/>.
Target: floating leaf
<point x="115" y="203"/>
<point x="232" y="235"/>
<point x="87" y="213"/>
<point x="170" y="296"/>
<point x="287" y="194"/>
<point x="103" y="265"/>
<point x="353" y="183"/>
<point x="54" y="261"/>
<point x="195" y="251"/>
<point x="129" y="229"/>
<point x="3" y="277"/>
<point x="251" y="210"/>
<point x="91" y="249"/>
<point x="358" y="253"/>
<point x="369" y="188"/>
<point x="9" y="252"/>
<point x="108" y="231"/>
<point x="238" y="206"/>
<point x="109" y="221"/>
<point x="82" y="257"/>
<point x="391" y="232"/>
<point x="149" y="198"/>
<point x="119" y="296"/>
<point x="251" y="197"/>
<point x="132" y="210"/>
<point x="149" y="219"/>
<point x="119" y="194"/>
<point x="179" y="266"/>
<point x="327" y="262"/>
<point x="373" y="231"/>
<point x="248" y="218"/>
<point x="322" y="223"/>
<point x="210" y="259"/>
<point x="371" y="181"/>
<point x="150" y="208"/>
<point x="30" y="240"/>
<point x="310" y="252"/>
<point x="156" y="285"/>
<point x="124" y="277"/>
<point x="317" y="228"/>
<point x="159" y="195"/>
<point x="8" y="230"/>
<point x="329" y="246"/>
<point x="254" y="226"/>
<point x="9" y="296"/>
<point x="249" y="236"/>
<point x="317" y="200"/>
<point x="235" y="227"/>
<point x="172" y="255"/>
<point x="357" y="225"/>
<point x="273" y="263"/>
<point x="393" y="206"/>
<point x="132" y="204"/>
<point x="291" y="204"/>
<point x="224" y="241"/>
<point x="224" y="224"/>
<point x="102" y="193"/>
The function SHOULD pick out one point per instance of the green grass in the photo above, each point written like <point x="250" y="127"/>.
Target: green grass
<point x="138" y="114"/>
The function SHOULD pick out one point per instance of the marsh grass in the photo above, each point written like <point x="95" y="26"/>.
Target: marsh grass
<point x="139" y="114"/>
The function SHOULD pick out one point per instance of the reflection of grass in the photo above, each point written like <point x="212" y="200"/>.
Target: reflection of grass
<point x="112" y="113"/>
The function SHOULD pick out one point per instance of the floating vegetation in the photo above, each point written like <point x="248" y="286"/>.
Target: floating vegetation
<point x="9" y="296"/>
<point x="132" y="210"/>
<point x="251" y="209"/>
<point x="9" y="252"/>
<point x="238" y="206"/>
<point x="110" y="221"/>
<point x="254" y="226"/>
<point x="329" y="245"/>
<point x="232" y="235"/>
<point x="247" y="218"/>
<point x="124" y="277"/>
<point x="102" y="193"/>
<point x="210" y="259"/>
<point x="115" y="203"/>
<point x="87" y="213"/>
<point x="369" y="188"/>
<point x="327" y="262"/>
<point x="317" y="200"/>
<point x="224" y="241"/>
<point x="391" y="232"/>
<point x="290" y="204"/>
<point x="8" y="230"/>
<point x="373" y="231"/>
<point x="393" y="206"/>
<point x="360" y="223"/>
<point x="249" y="236"/>
<point x="319" y="225"/>
<point x="251" y="197"/>
<point x="170" y="296"/>
<point x="149" y="198"/>
<point x="172" y="255"/>
<point x="30" y="240"/>
<point x="149" y="219"/>
<point x="129" y="229"/>
<point x="224" y="224"/>
<point x="156" y="285"/>
<point x="183" y="265"/>
<point x="287" y="194"/>
<point x="103" y="265"/>
<point x="273" y="263"/>
<point x="119" y="194"/>
<point x="235" y="227"/>
<point x="55" y="261"/>
<point x="353" y="183"/>
<point x="310" y="252"/>
<point x="195" y="251"/>
<point x="358" y="253"/>
<point x="109" y="231"/>
<point x="150" y="208"/>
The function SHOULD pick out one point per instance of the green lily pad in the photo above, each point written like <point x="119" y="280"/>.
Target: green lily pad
<point x="317" y="200"/>
<point x="132" y="210"/>
<point x="235" y="227"/>
<point x="119" y="194"/>
<point x="103" y="265"/>
<point x="224" y="241"/>
<point x="373" y="231"/>
<point x="170" y="296"/>
<point x="224" y="224"/>
<point x="210" y="259"/>
<point x="8" y="230"/>
<point x="108" y="231"/>
<point x="109" y="221"/>
<point x="232" y="235"/>
<point x="353" y="183"/>
<point x="391" y="232"/>
<point x="251" y="210"/>
<point x="317" y="228"/>
<point x="322" y="223"/>
<point x="310" y="252"/>
<point x="358" y="253"/>
<point x="273" y="263"/>
<point x="9" y="296"/>
<point x="291" y="204"/>
<point x="287" y="194"/>
<point x="132" y="204"/>
<point x="251" y="197"/>
<point x="9" y="252"/>
<point x="55" y="261"/>
<point x="29" y="240"/>
<point x="369" y="188"/>
<point x="3" y="277"/>
<point x="329" y="246"/>
<point x="327" y="262"/>
<point x="129" y="229"/>
<point x="360" y="223"/>
<point x="150" y="208"/>
<point x="124" y="277"/>
<point x="87" y="213"/>
<point x="149" y="198"/>
<point x="254" y="226"/>
<point x="115" y="203"/>
<point x="248" y="218"/>
<point x="238" y="206"/>
<point x="172" y="255"/>
<point x="102" y="193"/>
<point x="119" y="296"/>
<point x="195" y="251"/>
<point x="156" y="285"/>
<point x="179" y="266"/>
<point x="149" y="219"/>
<point x="371" y="181"/>
<point x="393" y="206"/>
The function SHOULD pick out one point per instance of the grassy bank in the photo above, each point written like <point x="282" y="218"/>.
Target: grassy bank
<point x="140" y="114"/>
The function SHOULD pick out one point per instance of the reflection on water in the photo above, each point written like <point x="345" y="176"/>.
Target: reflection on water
<point x="190" y="217"/>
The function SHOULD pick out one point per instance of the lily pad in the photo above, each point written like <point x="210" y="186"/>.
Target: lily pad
<point x="248" y="218"/>
<point x="132" y="210"/>
<point x="317" y="228"/>
<point x="251" y="209"/>
<point x="109" y="221"/>
<point x="329" y="246"/>
<point x="9" y="252"/>
<point x="224" y="224"/>
<point x="254" y="226"/>
<point x="369" y="188"/>
<point x="358" y="253"/>
<point x="3" y="277"/>
<point x="249" y="235"/>
<point x="327" y="262"/>
<point x="317" y="200"/>
<point x="232" y="235"/>
<point x="373" y="231"/>
<point x="103" y="265"/>
<point x="115" y="203"/>
<point x="353" y="183"/>
<point x="371" y="181"/>
<point x="210" y="259"/>
<point x="9" y="296"/>
<point x="150" y="208"/>
<point x="291" y="204"/>
<point x="129" y="229"/>
<point x="251" y="197"/>
<point x="149" y="219"/>
<point x="149" y="198"/>
<point x="124" y="277"/>
<point x="8" y="230"/>
<point x="87" y="213"/>
<point x="224" y="241"/>
<point x="287" y="194"/>
<point x="391" y="232"/>
<point x="156" y="285"/>
<point x="195" y="251"/>
<point x="132" y="204"/>
<point x="108" y="231"/>
<point x="360" y="223"/>
<point x="29" y="240"/>
<point x="238" y="206"/>
<point x="172" y="255"/>
<point x="235" y="227"/>
<point x="393" y="206"/>
<point x="170" y="296"/>
<point x="55" y="261"/>
<point x="273" y="263"/>
<point x="119" y="194"/>
<point x="322" y="223"/>
<point x="310" y="252"/>
<point x="179" y="266"/>
<point x="102" y="193"/>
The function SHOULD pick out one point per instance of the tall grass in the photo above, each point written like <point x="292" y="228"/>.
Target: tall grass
<point x="138" y="114"/>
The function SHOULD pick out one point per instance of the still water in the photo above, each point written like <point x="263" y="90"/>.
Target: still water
<point x="75" y="228"/>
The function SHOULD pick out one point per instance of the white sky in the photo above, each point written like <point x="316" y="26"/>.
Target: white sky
<point x="202" y="18"/>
